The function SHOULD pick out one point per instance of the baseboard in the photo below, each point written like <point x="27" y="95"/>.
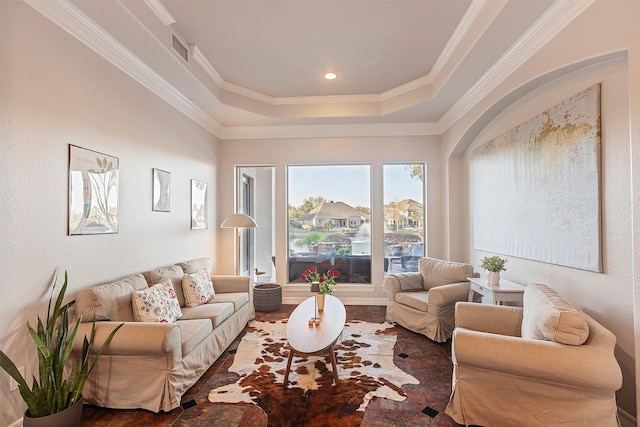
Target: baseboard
<point x="626" y="419"/>
<point x="16" y="423"/>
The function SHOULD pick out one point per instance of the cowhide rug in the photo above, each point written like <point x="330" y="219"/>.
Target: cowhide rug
<point x="364" y="355"/>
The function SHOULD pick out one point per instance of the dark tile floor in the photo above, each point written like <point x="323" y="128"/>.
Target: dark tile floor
<point x="426" y="360"/>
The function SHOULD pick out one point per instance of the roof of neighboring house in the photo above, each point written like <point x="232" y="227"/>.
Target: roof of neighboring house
<point x="408" y="205"/>
<point x="392" y="211"/>
<point x="334" y="210"/>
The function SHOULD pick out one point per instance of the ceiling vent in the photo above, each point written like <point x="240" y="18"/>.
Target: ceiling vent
<point x="179" y="47"/>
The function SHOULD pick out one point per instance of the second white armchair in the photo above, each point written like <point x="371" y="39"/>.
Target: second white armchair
<point x="424" y="301"/>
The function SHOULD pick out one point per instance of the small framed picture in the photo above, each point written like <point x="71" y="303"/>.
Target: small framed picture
<point x="161" y="190"/>
<point x="198" y="205"/>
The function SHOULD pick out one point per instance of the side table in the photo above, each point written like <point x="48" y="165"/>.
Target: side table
<point x="505" y="291"/>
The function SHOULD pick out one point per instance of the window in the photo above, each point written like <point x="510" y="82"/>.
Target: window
<point x="329" y="221"/>
<point x="255" y="198"/>
<point x="404" y="219"/>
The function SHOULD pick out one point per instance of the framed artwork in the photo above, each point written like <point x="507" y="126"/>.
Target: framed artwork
<point x="93" y="192"/>
<point x="536" y="188"/>
<point x="161" y="190"/>
<point x="198" y="205"/>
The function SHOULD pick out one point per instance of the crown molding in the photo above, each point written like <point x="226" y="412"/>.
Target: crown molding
<point x="161" y="12"/>
<point x="461" y="30"/>
<point x="68" y="17"/>
<point x="330" y="131"/>
<point x="206" y="66"/>
<point x="557" y="17"/>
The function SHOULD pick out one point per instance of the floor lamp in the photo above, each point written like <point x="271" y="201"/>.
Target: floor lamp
<point x="238" y="221"/>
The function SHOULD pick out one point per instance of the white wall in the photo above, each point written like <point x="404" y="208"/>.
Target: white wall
<point x="374" y="151"/>
<point x="54" y="92"/>
<point x="546" y="79"/>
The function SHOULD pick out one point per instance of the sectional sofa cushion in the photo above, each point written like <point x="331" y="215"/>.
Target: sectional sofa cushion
<point x="197" y="288"/>
<point x="193" y="332"/>
<point x="111" y="301"/>
<point x="238" y="299"/>
<point x="173" y="273"/>
<point x="548" y="316"/>
<point x="157" y="303"/>
<point x="436" y="272"/>
<point x="215" y="312"/>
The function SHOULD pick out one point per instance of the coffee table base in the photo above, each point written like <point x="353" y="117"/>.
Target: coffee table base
<point x="293" y="352"/>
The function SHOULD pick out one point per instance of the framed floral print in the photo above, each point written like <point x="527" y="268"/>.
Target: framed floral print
<point x="198" y="205"/>
<point x="93" y="192"/>
<point x="161" y="190"/>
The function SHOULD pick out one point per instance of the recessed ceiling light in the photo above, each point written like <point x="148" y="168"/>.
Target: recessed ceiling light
<point x="330" y="76"/>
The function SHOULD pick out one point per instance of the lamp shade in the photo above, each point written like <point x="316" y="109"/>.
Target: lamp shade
<point x="239" y="221"/>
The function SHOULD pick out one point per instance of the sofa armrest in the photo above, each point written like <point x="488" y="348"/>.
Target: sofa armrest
<point x="495" y="319"/>
<point x="392" y="284"/>
<point x="449" y="294"/>
<point x="231" y="283"/>
<point x="579" y="366"/>
<point x="134" y="338"/>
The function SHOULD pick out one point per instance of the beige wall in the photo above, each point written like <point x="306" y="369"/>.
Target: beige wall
<point x="54" y="92"/>
<point x="600" y="45"/>
<point x="374" y="151"/>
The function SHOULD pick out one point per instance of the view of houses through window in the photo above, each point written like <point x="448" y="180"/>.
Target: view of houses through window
<point x="404" y="219"/>
<point x="329" y="221"/>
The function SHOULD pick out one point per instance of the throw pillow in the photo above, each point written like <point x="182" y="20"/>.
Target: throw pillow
<point x="158" y="303"/>
<point x="197" y="288"/>
<point x="548" y="316"/>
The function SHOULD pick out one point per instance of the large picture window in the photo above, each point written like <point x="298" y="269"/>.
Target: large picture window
<point x="329" y="221"/>
<point x="404" y="219"/>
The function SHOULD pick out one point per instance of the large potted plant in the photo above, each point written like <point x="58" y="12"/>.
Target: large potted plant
<point x="56" y="394"/>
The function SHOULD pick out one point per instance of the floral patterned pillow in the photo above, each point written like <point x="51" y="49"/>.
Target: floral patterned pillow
<point x="158" y="303"/>
<point x="197" y="288"/>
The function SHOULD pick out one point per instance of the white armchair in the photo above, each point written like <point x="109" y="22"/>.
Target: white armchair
<point x="424" y="301"/>
<point x="563" y="372"/>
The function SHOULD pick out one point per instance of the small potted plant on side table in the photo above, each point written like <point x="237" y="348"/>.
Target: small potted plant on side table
<point x="493" y="265"/>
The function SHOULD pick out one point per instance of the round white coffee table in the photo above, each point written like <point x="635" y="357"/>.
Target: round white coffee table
<point x="306" y="339"/>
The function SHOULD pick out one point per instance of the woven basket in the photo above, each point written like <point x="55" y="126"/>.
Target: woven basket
<point x="267" y="296"/>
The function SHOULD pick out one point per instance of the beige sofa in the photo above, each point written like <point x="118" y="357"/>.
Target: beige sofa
<point x="424" y="301"/>
<point x="542" y="364"/>
<point x="151" y="364"/>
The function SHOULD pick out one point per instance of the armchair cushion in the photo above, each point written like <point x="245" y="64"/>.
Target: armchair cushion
<point x="436" y="272"/>
<point x="410" y="282"/>
<point x="417" y="300"/>
<point x="548" y="316"/>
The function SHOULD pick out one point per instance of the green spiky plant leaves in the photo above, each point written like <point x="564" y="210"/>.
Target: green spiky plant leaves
<point x="53" y="391"/>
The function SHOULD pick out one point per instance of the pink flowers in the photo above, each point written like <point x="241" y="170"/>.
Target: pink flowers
<point x="326" y="280"/>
